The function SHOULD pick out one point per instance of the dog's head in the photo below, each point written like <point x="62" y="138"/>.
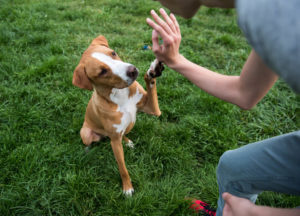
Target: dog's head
<point x="101" y="66"/>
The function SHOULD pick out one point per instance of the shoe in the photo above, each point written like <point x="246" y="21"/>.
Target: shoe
<point x="202" y="208"/>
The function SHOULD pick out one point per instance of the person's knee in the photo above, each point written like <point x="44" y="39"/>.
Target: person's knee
<point x="228" y="167"/>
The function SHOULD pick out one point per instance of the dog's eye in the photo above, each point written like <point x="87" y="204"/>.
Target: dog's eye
<point x="103" y="72"/>
<point x="113" y="53"/>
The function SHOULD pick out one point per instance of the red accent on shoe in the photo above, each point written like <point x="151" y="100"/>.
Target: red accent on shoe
<point x="199" y="205"/>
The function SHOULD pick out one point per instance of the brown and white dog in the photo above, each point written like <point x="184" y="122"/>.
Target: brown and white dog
<point x="116" y="98"/>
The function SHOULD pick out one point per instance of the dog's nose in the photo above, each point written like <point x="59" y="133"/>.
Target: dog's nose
<point x="132" y="72"/>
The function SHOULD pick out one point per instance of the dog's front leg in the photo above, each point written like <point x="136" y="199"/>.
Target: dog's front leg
<point x="116" y="144"/>
<point x="151" y="102"/>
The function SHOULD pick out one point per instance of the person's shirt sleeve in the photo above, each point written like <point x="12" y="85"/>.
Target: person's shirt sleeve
<point x="272" y="27"/>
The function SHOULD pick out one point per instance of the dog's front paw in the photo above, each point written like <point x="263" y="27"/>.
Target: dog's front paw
<point x="128" y="192"/>
<point x="155" y="69"/>
<point x="127" y="188"/>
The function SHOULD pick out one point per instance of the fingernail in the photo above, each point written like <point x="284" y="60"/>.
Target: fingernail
<point x="152" y="11"/>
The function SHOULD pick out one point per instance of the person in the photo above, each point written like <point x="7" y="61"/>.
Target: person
<point x="272" y="28"/>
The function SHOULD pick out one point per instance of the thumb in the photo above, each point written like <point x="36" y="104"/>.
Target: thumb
<point x="155" y="42"/>
<point x="227" y="197"/>
<point x="227" y="211"/>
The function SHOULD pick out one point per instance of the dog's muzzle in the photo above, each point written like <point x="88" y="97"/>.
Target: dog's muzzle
<point x="132" y="72"/>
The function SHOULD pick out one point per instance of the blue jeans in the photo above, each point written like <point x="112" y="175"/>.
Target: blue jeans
<point x="269" y="165"/>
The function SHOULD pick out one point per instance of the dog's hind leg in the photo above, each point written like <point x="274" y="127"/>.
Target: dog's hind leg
<point x="88" y="136"/>
<point x="128" y="142"/>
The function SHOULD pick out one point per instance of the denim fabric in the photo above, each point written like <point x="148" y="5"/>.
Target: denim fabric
<point x="272" y="27"/>
<point x="269" y="165"/>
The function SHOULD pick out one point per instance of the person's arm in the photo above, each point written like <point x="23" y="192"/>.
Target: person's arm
<point x="218" y="3"/>
<point x="236" y="206"/>
<point x="245" y="90"/>
<point x="188" y="8"/>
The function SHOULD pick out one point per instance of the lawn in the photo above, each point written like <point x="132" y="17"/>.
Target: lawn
<point x="44" y="169"/>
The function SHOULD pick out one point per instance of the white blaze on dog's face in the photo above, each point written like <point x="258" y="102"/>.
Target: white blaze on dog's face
<point x="101" y="66"/>
<point x="106" y="68"/>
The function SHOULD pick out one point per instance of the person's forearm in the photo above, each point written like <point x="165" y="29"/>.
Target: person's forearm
<point x="219" y="85"/>
<point x="244" y="91"/>
<point x="268" y="211"/>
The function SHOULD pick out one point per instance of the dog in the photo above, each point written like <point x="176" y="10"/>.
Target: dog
<point x="116" y="98"/>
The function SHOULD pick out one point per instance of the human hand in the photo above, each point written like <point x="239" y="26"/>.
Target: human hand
<point x="168" y="29"/>
<point x="236" y="206"/>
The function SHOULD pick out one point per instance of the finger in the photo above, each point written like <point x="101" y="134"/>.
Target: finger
<point x="173" y="18"/>
<point x="229" y="199"/>
<point x="159" y="29"/>
<point x="226" y="196"/>
<point x="155" y="41"/>
<point x="168" y="20"/>
<point x="160" y="22"/>
<point x="227" y="207"/>
<point x="227" y="210"/>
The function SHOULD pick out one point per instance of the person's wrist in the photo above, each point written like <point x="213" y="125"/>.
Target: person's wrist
<point x="175" y="62"/>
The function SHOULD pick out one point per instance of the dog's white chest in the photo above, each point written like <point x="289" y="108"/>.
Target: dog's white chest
<point x="126" y="105"/>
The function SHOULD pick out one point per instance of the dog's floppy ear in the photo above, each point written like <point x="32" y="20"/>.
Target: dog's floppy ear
<point x="80" y="78"/>
<point x="100" y="40"/>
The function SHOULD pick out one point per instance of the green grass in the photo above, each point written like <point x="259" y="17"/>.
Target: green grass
<point x="44" y="169"/>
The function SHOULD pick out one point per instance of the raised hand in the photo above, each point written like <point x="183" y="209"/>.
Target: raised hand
<point x="168" y="29"/>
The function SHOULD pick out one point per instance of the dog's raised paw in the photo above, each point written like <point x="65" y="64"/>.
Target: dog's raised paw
<point x="155" y="69"/>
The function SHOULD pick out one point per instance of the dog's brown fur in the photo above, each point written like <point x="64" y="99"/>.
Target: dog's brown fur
<point x="102" y="113"/>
